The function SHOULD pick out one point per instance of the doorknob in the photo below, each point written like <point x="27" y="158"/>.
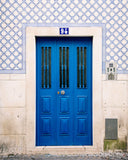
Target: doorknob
<point x="62" y="92"/>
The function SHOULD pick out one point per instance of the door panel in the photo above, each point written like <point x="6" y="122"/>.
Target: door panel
<point x="45" y="97"/>
<point x="65" y="96"/>
<point x="64" y="91"/>
<point x="83" y="93"/>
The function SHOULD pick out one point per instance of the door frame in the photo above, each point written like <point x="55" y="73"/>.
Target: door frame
<point x="72" y="118"/>
<point x="97" y="110"/>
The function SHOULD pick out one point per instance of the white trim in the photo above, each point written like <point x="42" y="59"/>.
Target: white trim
<point x="98" y="123"/>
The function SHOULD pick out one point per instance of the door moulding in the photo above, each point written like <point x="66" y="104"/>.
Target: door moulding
<point x="97" y="110"/>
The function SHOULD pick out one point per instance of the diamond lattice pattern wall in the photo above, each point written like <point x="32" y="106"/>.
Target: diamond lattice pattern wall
<point x="15" y="14"/>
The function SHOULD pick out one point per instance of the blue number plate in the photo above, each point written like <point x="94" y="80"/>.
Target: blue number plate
<point x="64" y="30"/>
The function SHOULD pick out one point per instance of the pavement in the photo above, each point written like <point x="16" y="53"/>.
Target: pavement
<point x="102" y="156"/>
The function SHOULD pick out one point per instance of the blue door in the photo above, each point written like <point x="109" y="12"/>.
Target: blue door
<point x="63" y="91"/>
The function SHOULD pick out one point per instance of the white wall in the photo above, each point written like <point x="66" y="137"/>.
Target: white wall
<point x="12" y="113"/>
<point x="18" y="101"/>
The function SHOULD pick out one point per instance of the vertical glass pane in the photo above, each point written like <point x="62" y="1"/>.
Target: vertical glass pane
<point x="42" y="67"/>
<point x="60" y="52"/>
<point x="85" y="85"/>
<point x="49" y="67"/>
<point x="81" y="67"/>
<point x="46" y="67"/>
<point x="64" y="67"/>
<point x="67" y="67"/>
<point x="78" y="67"/>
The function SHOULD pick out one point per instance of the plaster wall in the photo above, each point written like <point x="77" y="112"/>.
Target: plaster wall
<point x="13" y="111"/>
<point x="17" y="102"/>
<point x="115" y="103"/>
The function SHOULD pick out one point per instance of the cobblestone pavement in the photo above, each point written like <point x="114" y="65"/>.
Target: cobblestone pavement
<point x="103" y="156"/>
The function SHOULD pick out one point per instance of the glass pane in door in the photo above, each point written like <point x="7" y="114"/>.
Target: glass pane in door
<point x="64" y="67"/>
<point x="81" y="67"/>
<point x="46" y="67"/>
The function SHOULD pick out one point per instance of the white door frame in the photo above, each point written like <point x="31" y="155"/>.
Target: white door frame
<point x="97" y="109"/>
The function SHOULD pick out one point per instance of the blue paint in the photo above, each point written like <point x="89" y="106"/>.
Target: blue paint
<point x="64" y="30"/>
<point x="63" y="119"/>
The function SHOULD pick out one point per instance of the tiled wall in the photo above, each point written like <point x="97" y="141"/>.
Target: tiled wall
<point x="16" y="14"/>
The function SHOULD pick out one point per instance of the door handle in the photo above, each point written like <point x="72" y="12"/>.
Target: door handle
<point x="62" y="92"/>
